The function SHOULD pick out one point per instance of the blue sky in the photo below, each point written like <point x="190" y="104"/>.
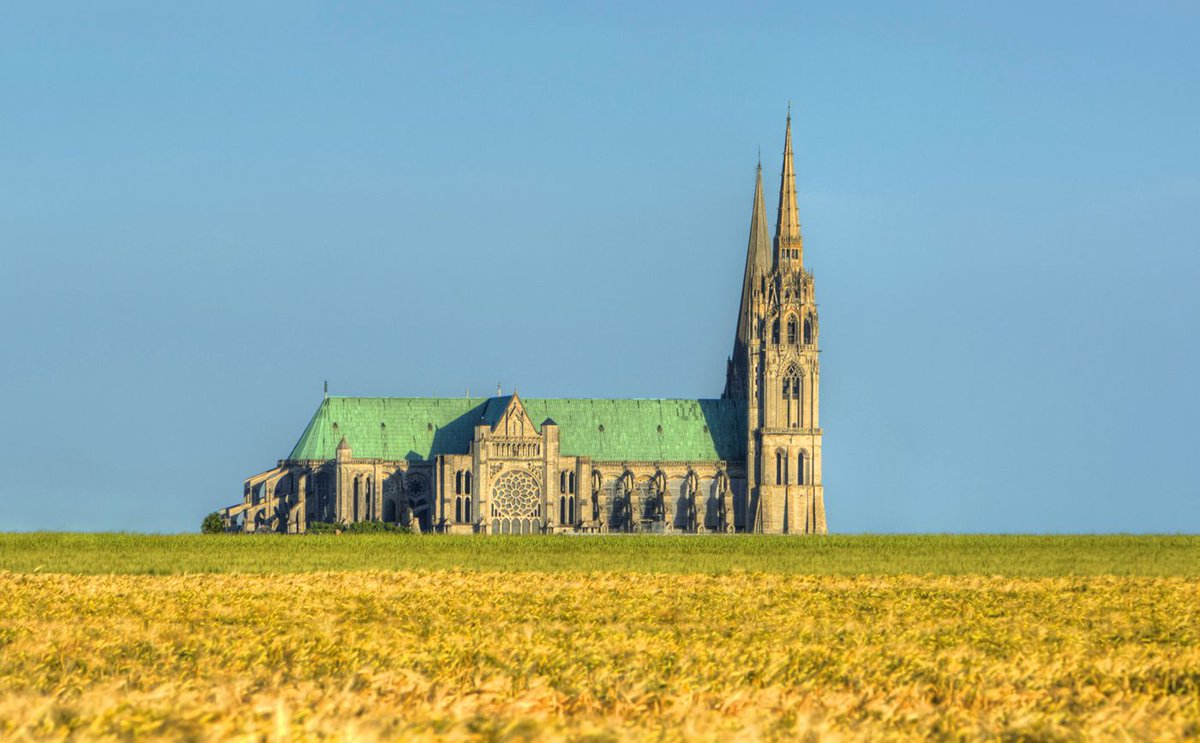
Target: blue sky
<point x="207" y="209"/>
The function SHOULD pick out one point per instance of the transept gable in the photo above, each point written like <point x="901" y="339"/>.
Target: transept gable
<point x="514" y="420"/>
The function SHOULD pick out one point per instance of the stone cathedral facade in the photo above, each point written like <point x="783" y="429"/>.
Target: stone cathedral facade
<point x="749" y="461"/>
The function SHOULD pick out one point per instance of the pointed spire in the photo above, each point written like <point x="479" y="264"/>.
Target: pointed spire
<point x="787" y="225"/>
<point x="758" y="264"/>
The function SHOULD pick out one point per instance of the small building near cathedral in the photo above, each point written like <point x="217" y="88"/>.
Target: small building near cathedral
<point x="749" y="461"/>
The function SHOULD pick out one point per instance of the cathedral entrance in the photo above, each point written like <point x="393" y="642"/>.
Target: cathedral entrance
<point x="516" y="526"/>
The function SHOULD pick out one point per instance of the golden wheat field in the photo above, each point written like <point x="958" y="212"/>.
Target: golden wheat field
<point x="597" y="656"/>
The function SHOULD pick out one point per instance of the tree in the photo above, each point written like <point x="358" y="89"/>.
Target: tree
<point x="212" y="524"/>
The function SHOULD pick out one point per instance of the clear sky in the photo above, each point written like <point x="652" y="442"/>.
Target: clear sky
<point x="208" y="209"/>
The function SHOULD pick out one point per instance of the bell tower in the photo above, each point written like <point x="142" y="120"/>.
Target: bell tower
<point x="775" y="368"/>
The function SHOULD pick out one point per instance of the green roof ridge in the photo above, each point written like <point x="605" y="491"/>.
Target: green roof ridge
<point x="421" y="428"/>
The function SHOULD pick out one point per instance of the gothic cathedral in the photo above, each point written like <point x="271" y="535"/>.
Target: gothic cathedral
<point x="747" y="462"/>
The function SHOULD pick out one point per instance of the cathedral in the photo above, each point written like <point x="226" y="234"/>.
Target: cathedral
<point x="747" y="462"/>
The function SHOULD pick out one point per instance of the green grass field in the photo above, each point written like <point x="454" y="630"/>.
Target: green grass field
<point x="1016" y="556"/>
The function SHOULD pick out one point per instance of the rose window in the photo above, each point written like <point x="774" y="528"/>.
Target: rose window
<point x="516" y="494"/>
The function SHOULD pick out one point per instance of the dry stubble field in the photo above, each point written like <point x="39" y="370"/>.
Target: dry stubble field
<point x="597" y="655"/>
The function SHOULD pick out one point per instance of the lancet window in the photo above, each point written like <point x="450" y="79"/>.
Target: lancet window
<point x="791" y="397"/>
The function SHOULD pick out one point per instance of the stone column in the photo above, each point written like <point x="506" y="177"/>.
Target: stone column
<point x="634" y="501"/>
<point x="667" y="499"/>
<point x="301" y="502"/>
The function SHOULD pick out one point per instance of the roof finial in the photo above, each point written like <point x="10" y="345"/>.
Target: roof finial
<point x="760" y="157"/>
<point x="326" y="389"/>
<point x="498" y="392"/>
<point x="789" y="110"/>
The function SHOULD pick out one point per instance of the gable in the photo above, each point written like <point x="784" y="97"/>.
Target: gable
<point x="514" y="420"/>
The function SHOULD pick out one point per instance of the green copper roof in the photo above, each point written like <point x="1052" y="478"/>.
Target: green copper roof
<point x="417" y="428"/>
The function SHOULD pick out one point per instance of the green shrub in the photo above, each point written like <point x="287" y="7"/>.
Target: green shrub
<point x="212" y="524"/>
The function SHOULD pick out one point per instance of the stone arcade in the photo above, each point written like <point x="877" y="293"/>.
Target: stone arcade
<point x="749" y="461"/>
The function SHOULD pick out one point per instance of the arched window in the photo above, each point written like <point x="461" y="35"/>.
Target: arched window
<point x="356" y="487"/>
<point x="791" y="330"/>
<point x="562" y="481"/>
<point x="808" y="331"/>
<point x="801" y="469"/>
<point x="458" y="512"/>
<point x="467" y="509"/>
<point x="458" y="482"/>
<point x="780" y="467"/>
<point x="791" y="396"/>
<point x="571" y="510"/>
<point x="571" y="483"/>
<point x="562" y="509"/>
<point x="467" y="481"/>
<point x="775" y="332"/>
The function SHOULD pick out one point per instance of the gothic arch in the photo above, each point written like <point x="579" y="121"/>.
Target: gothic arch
<point x="792" y="394"/>
<point x="394" y="499"/>
<point x="420" y="500"/>
<point x="781" y="466"/>
<point x="622" y="515"/>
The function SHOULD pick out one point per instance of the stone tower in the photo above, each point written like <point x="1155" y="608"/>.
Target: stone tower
<point x="775" y="368"/>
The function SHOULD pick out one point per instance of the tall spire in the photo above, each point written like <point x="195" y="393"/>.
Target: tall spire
<point x="788" y="243"/>
<point x="758" y="264"/>
<point x="758" y="261"/>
